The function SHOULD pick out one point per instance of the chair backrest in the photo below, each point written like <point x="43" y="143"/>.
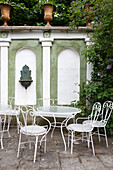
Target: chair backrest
<point x="46" y="102"/>
<point x="26" y="115"/>
<point x="29" y="116"/>
<point x="107" y="110"/>
<point x="95" y="111"/>
<point x="11" y="102"/>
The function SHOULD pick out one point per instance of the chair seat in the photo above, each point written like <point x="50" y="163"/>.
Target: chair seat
<point x="99" y="124"/>
<point x="80" y="127"/>
<point x="95" y="123"/>
<point x="33" y="130"/>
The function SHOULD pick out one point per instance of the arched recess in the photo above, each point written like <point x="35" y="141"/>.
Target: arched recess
<point x="68" y="76"/>
<point x="25" y="56"/>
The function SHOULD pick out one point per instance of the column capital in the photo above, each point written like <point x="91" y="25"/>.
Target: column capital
<point x="46" y="44"/>
<point x="4" y="42"/>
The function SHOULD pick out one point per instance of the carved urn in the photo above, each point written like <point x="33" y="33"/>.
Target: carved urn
<point x="88" y="7"/>
<point x="5" y="12"/>
<point x="48" y="10"/>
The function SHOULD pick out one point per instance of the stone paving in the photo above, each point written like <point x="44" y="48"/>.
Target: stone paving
<point x="56" y="158"/>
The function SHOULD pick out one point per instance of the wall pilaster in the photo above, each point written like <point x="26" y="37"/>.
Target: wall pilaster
<point x="4" y="44"/>
<point x="46" y="72"/>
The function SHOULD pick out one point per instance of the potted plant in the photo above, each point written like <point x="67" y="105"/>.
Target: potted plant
<point x="48" y="7"/>
<point x="5" y="11"/>
<point x="88" y="8"/>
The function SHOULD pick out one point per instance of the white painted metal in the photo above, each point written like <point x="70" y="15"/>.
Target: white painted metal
<point x="81" y="128"/>
<point x="2" y="128"/>
<point x="23" y="96"/>
<point x="104" y="116"/>
<point x="58" y="112"/>
<point x="96" y="109"/>
<point x="9" y="112"/>
<point x="68" y="76"/>
<point x="31" y="128"/>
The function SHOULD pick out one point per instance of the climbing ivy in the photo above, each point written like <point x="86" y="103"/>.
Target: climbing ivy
<point x="99" y="53"/>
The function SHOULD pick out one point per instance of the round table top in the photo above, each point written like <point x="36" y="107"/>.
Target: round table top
<point x="58" y="111"/>
<point x="7" y="110"/>
<point x="4" y="107"/>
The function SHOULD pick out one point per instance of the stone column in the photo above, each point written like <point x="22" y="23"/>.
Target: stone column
<point x="89" y="65"/>
<point x="4" y="44"/>
<point x="46" y="72"/>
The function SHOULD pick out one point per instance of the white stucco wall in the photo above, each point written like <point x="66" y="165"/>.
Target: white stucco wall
<point x="68" y="63"/>
<point x="24" y="96"/>
<point x="68" y="76"/>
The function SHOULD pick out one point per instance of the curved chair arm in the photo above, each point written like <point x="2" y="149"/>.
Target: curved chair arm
<point x="81" y="118"/>
<point x="68" y="119"/>
<point x="49" y="127"/>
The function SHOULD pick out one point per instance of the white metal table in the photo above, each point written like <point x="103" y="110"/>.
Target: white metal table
<point x="7" y="110"/>
<point x="58" y="112"/>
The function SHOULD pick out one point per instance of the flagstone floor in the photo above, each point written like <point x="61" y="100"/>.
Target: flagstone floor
<point x="56" y="158"/>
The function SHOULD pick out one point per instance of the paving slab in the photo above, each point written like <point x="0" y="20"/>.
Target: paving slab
<point x="55" y="158"/>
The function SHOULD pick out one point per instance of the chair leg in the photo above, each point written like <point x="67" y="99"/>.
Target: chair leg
<point x="19" y="145"/>
<point x="106" y="137"/>
<point x="98" y="134"/>
<point x="52" y="131"/>
<point x="53" y="126"/>
<point x="9" y="121"/>
<point x="68" y="139"/>
<point x="88" y="139"/>
<point x="35" y="148"/>
<point x="2" y="141"/>
<point x="45" y="145"/>
<point x="82" y="136"/>
<point x="92" y="144"/>
<point x="71" y="142"/>
<point x="17" y="126"/>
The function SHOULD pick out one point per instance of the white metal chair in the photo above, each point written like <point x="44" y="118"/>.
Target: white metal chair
<point x="80" y="128"/>
<point x="2" y="127"/>
<point x="84" y="127"/>
<point x="30" y="128"/>
<point x="101" y="122"/>
<point x="96" y="109"/>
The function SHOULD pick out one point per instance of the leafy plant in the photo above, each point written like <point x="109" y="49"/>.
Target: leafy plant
<point x="46" y="1"/>
<point x="5" y="1"/>
<point x="99" y="53"/>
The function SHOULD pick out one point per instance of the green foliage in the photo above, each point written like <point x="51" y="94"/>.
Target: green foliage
<point x="81" y="12"/>
<point x="5" y="1"/>
<point x="99" y="53"/>
<point x="29" y="12"/>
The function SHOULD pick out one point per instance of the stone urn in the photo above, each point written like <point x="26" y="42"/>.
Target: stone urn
<point x="48" y="11"/>
<point x="5" y="12"/>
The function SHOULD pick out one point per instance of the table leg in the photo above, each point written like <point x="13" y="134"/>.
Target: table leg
<point x="54" y="126"/>
<point x="62" y="124"/>
<point x="9" y="121"/>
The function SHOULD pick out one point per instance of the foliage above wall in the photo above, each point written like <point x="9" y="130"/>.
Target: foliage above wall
<point x="28" y="12"/>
